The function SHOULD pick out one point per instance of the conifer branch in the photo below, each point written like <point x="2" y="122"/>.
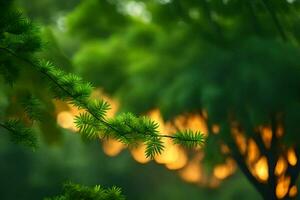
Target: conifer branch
<point x="136" y="129"/>
<point x="5" y="127"/>
<point x="19" y="133"/>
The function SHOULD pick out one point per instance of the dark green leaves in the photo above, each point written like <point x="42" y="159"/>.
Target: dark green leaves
<point x="32" y="107"/>
<point x="19" y="133"/>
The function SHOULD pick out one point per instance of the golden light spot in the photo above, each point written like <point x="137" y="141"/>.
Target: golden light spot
<point x="112" y="147"/>
<point x="291" y="156"/>
<point x="180" y="121"/>
<point x="222" y="171"/>
<point x="139" y="154"/>
<point x="253" y="151"/>
<point x="192" y="172"/>
<point x="169" y="128"/>
<point x="193" y="122"/>
<point x="282" y="187"/>
<point x="169" y="155"/>
<point x="240" y="141"/>
<point x="261" y="169"/>
<point x="266" y="134"/>
<point x="293" y="191"/>
<point x="281" y="166"/>
<point x="74" y="110"/>
<point x="180" y="162"/>
<point x="215" y="128"/>
<point x="65" y="120"/>
<point x="114" y="105"/>
<point x="156" y="116"/>
<point x="197" y="123"/>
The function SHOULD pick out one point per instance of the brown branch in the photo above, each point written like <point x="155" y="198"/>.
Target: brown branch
<point x="240" y="160"/>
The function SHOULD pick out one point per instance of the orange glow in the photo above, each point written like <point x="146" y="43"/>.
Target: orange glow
<point x="222" y="171"/>
<point x="197" y="123"/>
<point x="215" y="128"/>
<point x="67" y="112"/>
<point x="193" y="122"/>
<point x="293" y="191"/>
<point x="261" y="169"/>
<point x="180" y="162"/>
<point x="112" y="147"/>
<point x="180" y="121"/>
<point x="114" y="105"/>
<point x="282" y="187"/>
<point x="169" y="155"/>
<point x="169" y="128"/>
<point x="74" y="110"/>
<point x="266" y="134"/>
<point x="192" y="172"/>
<point x="65" y="120"/>
<point x="139" y="154"/>
<point x="253" y="151"/>
<point x="173" y="157"/>
<point x="156" y="116"/>
<point x="240" y="141"/>
<point x="291" y="156"/>
<point x="281" y="166"/>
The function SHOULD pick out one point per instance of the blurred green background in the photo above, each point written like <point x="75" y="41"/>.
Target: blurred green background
<point x="177" y="56"/>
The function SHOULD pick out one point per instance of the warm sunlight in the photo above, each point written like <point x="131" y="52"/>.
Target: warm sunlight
<point x="261" y="169"/>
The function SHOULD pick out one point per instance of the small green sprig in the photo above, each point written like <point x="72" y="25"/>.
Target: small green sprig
<point x="73" y="191"/>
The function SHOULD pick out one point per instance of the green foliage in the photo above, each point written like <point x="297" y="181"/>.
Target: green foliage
<point x="236" y="60"/>
<point x="32" y="107"/>
<point x="78" y="192"/>
<point x="154" y="147"/>
<point x="102" y="26"/>
<point x="88" y="126"/>
<point x="188" y="138"/>
<point x="19" y="133"/>
<point x="127" y="128"/>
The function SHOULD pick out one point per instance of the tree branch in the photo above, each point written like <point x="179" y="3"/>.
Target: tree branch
<point x="105" y="123"/>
